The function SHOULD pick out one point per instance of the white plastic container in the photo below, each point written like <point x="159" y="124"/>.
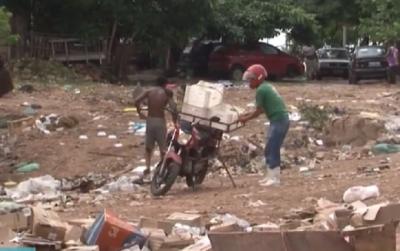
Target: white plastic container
<point x="196" y="111"/>
<point x="204" y="94"/>
<point x="226" y="113"/>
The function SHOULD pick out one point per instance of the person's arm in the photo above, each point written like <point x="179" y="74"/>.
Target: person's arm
<point x="251" y="115"/>
<point x="138" y="104"/>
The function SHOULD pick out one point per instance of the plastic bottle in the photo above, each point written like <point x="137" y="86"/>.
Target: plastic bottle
<point x="385" y="148"/>
<point x="27" y="168"/>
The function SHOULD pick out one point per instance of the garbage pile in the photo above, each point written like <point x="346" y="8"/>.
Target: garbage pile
<point x="341" y="225"/>
<point x="54" y="122"/>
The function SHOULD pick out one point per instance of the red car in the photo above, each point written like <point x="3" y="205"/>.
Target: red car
<point x="235" y="59"/>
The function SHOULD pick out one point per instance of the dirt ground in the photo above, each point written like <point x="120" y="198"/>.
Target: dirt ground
<point x="63" y="154"/>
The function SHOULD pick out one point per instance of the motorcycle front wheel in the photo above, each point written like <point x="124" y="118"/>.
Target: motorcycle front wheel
<point x="164" y="177"/>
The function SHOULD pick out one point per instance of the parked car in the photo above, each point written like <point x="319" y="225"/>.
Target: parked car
<point x="333" y="62"/>
<point x="368" y="62"/>
<point x="234" y="59"/>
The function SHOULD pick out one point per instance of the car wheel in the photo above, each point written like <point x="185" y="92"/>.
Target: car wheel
<point x="291" y="71"/>
<point x="353" y="78"/>
<point x="237" y="73"/>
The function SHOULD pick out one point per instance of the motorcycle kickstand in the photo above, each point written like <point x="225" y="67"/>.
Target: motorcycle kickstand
<point x="229" y="173"/>
<point x="192" y="177"/>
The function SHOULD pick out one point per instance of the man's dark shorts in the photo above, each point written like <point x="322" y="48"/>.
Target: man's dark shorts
<point x="156" y="131"/>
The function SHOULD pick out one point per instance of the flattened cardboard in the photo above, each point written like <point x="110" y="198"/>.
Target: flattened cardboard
<point x="385" y="214"/>
<point x="226" y="227"/>
<point x="373" y="238"/>
<point x="280" y="241"/>
<point x="5" y="236"/>
<point x="17" y="221"/>
<point x="82" y="248"/>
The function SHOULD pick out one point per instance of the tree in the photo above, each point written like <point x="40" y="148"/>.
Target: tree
<point x="6" y="38"/>
<point x="244" y="20"/>
<point x="380" y="19"/>
<point x="330" y="17"/>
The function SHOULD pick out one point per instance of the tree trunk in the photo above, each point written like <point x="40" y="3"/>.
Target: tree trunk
<point x="111" y="43"/>
<point x="168" y="59"/>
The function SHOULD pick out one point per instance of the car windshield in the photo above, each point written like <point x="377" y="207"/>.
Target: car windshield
<point x="370" y="52"/>
<point x="334" y="54"/>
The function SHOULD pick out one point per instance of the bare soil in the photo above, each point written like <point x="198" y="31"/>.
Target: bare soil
<point x="63" y="154"/>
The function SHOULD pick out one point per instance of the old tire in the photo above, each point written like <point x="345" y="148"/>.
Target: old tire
<point x="161" y="183"/>
<point x="198" y="178"/>
<point x="237" y="73"/>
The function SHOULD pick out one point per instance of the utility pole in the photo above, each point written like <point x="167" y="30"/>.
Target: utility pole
<point x="344" y="36"/>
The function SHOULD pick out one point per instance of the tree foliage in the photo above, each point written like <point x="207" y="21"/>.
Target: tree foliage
<point x="380" y="19"/>
<point x="241" y="20"/>
<point x="6" y="38"/>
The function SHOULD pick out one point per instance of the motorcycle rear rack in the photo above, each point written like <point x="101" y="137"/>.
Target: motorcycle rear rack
<point x="225" y="127"/>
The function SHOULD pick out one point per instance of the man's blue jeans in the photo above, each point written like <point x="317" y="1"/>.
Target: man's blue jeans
<point x="276" y="135"/>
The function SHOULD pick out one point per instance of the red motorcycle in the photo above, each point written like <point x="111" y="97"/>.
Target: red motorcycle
<point x="188" y="159"/>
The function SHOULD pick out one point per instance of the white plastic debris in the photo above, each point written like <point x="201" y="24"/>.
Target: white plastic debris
<point x="229" y="218"/>
<point x="40" y="188"/>
<point x="83" y="137"/>
<point x="360" y="193"/>
<point x="111" y="136"/>
<point x="258" y="203"/>
<point x="304" y="169"/>
<point x="139" y="171"/>
<point x="123" y="184"/>
<point x="118" y="145"/>
<point x="102" y="134"/>
<point x="294" y="116"/>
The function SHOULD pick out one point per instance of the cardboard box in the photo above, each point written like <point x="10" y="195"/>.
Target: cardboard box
<point x="156" y="237"/>
<point x="47" y="224"/>
<point x="159" y="224"/>
<point x="17" y="221"/>
<point x="194" y="220"/>
<point x="113" y="234"/>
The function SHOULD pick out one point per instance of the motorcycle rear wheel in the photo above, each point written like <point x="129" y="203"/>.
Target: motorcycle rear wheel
<point x="164" y="178"/>
<point x="198" y="178"/>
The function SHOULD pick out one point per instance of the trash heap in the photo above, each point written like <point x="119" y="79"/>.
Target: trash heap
<point x="325" y="226"/>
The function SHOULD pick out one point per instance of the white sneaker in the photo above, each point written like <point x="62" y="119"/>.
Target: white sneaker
<point x="273" y="179"/>
<point x="265" y="179"/>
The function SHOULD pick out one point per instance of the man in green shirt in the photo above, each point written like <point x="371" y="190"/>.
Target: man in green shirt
<point x="268" y="101"/>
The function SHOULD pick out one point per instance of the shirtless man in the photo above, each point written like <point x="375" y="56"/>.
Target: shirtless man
<point x="158" y="99"/>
